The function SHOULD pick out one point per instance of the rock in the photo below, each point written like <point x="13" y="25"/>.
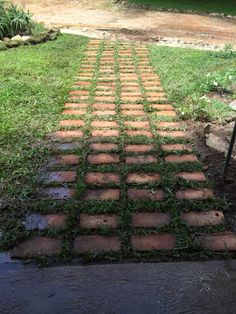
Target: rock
<point x="17" y="38"/>
<point x="25" y="38"/>
<point x="12" y="43"/>
<point x="5" y="39"/>
<point x="52" y="36"/>
<point x="216" y="142"/>
<point x="39" y="38"/>
<point x="233" y="105"/>
<point x="3" y="46"/>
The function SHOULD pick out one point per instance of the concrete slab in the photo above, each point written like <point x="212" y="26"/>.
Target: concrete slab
<point x="186" y="287"/>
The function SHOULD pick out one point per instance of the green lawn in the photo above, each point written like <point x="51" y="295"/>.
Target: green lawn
<point x="206" y="6"/>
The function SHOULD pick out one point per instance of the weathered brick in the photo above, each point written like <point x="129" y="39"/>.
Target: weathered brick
<point x="96" y="244"/>
<point x="102" y="195"/>
<point x="97" y="159"/>
<point x="100" y="107"/>
<point x="57" y="193"/>
<point x="59" y="176"/>
<point x="175" y="134"/>
<point x="65" y="160"/>
<point x="192" y="176"/>
<point x="103" y="146"/>
<point x="104" y="113"/>
<point x="56" y="221"/>
<point x="104" y="124"/>
<point x="140" y="133"/>
<point x="105" y="98"/>
<point x="105" y="133"/>
<point x="58" y="135"/>
<point x="181" y="158"/>
<point x="138" y="124"/>
<point x="75" y="105"/>
<point x="131" y="98"/>
<point x="168" y="125"/>
<point x="145" y="194"/>
<point x="101" y="178"/>
<point x="99" y="221"/>
<point x="218" y="241"/>
<point x="176" y="147"/>
<point x="132" y="107"/>
<point x="145" y="159"/>
<point x="165" y="113"/>
<point x="149" y="220"/>
<point x="73" y="112"/>
<point x="142" y="148"/>
<point x="131" y="94"/>
<point x="38" y="246"/>
<point x="142" y="178"/>
<point x="79" y="92"/>
<point x="72" y="123"/>
<point x="133" y="113"/>
<point x="153" y="242"/>
<point x="203" y="218"/>
<point x="162" y="107"/>
<point x="194" y="194"/>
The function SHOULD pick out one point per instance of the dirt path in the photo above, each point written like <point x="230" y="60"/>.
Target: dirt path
<point x="100" y="20"/>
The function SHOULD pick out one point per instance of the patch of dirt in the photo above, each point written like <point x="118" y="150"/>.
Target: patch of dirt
<point x="223" y="97"/>
<point x="213" y="162"/>
<point x="165" y="28"/>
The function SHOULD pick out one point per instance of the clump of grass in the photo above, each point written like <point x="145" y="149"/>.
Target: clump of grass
<point x="14" y="20"/>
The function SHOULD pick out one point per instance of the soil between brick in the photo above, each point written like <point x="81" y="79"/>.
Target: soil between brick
<point x="134" y="188"/>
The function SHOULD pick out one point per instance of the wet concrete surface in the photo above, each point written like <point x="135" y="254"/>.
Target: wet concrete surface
<point x="185" y="287"/>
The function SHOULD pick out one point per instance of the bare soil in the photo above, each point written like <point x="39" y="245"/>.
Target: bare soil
<point x="102" y="19"/>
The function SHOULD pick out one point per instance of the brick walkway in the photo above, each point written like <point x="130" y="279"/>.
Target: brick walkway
<point x="123" y="180"/>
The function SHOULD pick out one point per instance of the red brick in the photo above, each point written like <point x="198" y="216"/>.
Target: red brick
<point x="96" y="244"/>
<point x="194" y="194"/>
<point x="74" y="112"/>
<point x="65" y="160"/>
<point x="56" y="221"/>
<point x="155" y="82"/>
<point x="165" y="113"/>
<point x="139" y="148"/>
<point x="137" y="124"/>
<point x="168" y="125"/>
<point x="132" y="107"/>
<point x="140" y="133"/>
<point x="78" y="98"/>
<point x="105" y="133"/>
<point x="144" y="194"/>
<point x="103" y="146"/>
<point x="36" y="247"/>
<point x="162" y="107"/>
<point x="105" y="98"/>
<point x="75" y="105"/>
<point x="104" y="124"/>
<point x="131" y="94"/>
<point x="57" y="193"/>
<point x="176" y="147"/>
<point x="204" y="218"/>
<point x="59" y="176"/>
<point x="72" y="123"/>
<point x="67" y="134"/>
<point x="192" y="176"/>
<point x="101" y="178"/>
<point x="134" y="113"/>
<point x="104" y="106"/>
<point x="218" y="241"/>
<point x="142" y="178"/>
<point x="99" y="221"/>
<point x="82" y="84"/>
<point x="151" y="242"/>
<point x="131" y="98"/>
<point x="102" y="195"/>
<point x="145" y="159"/>
<point x="150" y="220"/>
<point x="181" y="158"/>
<point x="104" y="113"/>
<point x="97" y="159"/>
<point x="79" y="92"/>
<point x="175" y="134"/>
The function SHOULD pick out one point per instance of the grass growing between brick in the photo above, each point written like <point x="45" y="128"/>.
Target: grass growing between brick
<point x="118" y="76"/>
<point x="202" y="6"/>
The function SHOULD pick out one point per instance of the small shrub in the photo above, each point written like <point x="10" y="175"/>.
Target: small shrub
<point x="14" y="21"/>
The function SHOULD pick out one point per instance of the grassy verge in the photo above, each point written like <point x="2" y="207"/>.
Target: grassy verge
<point x="190" y="75"/>
<point x="34" y="84"/>
<point x="211" y="6"/>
